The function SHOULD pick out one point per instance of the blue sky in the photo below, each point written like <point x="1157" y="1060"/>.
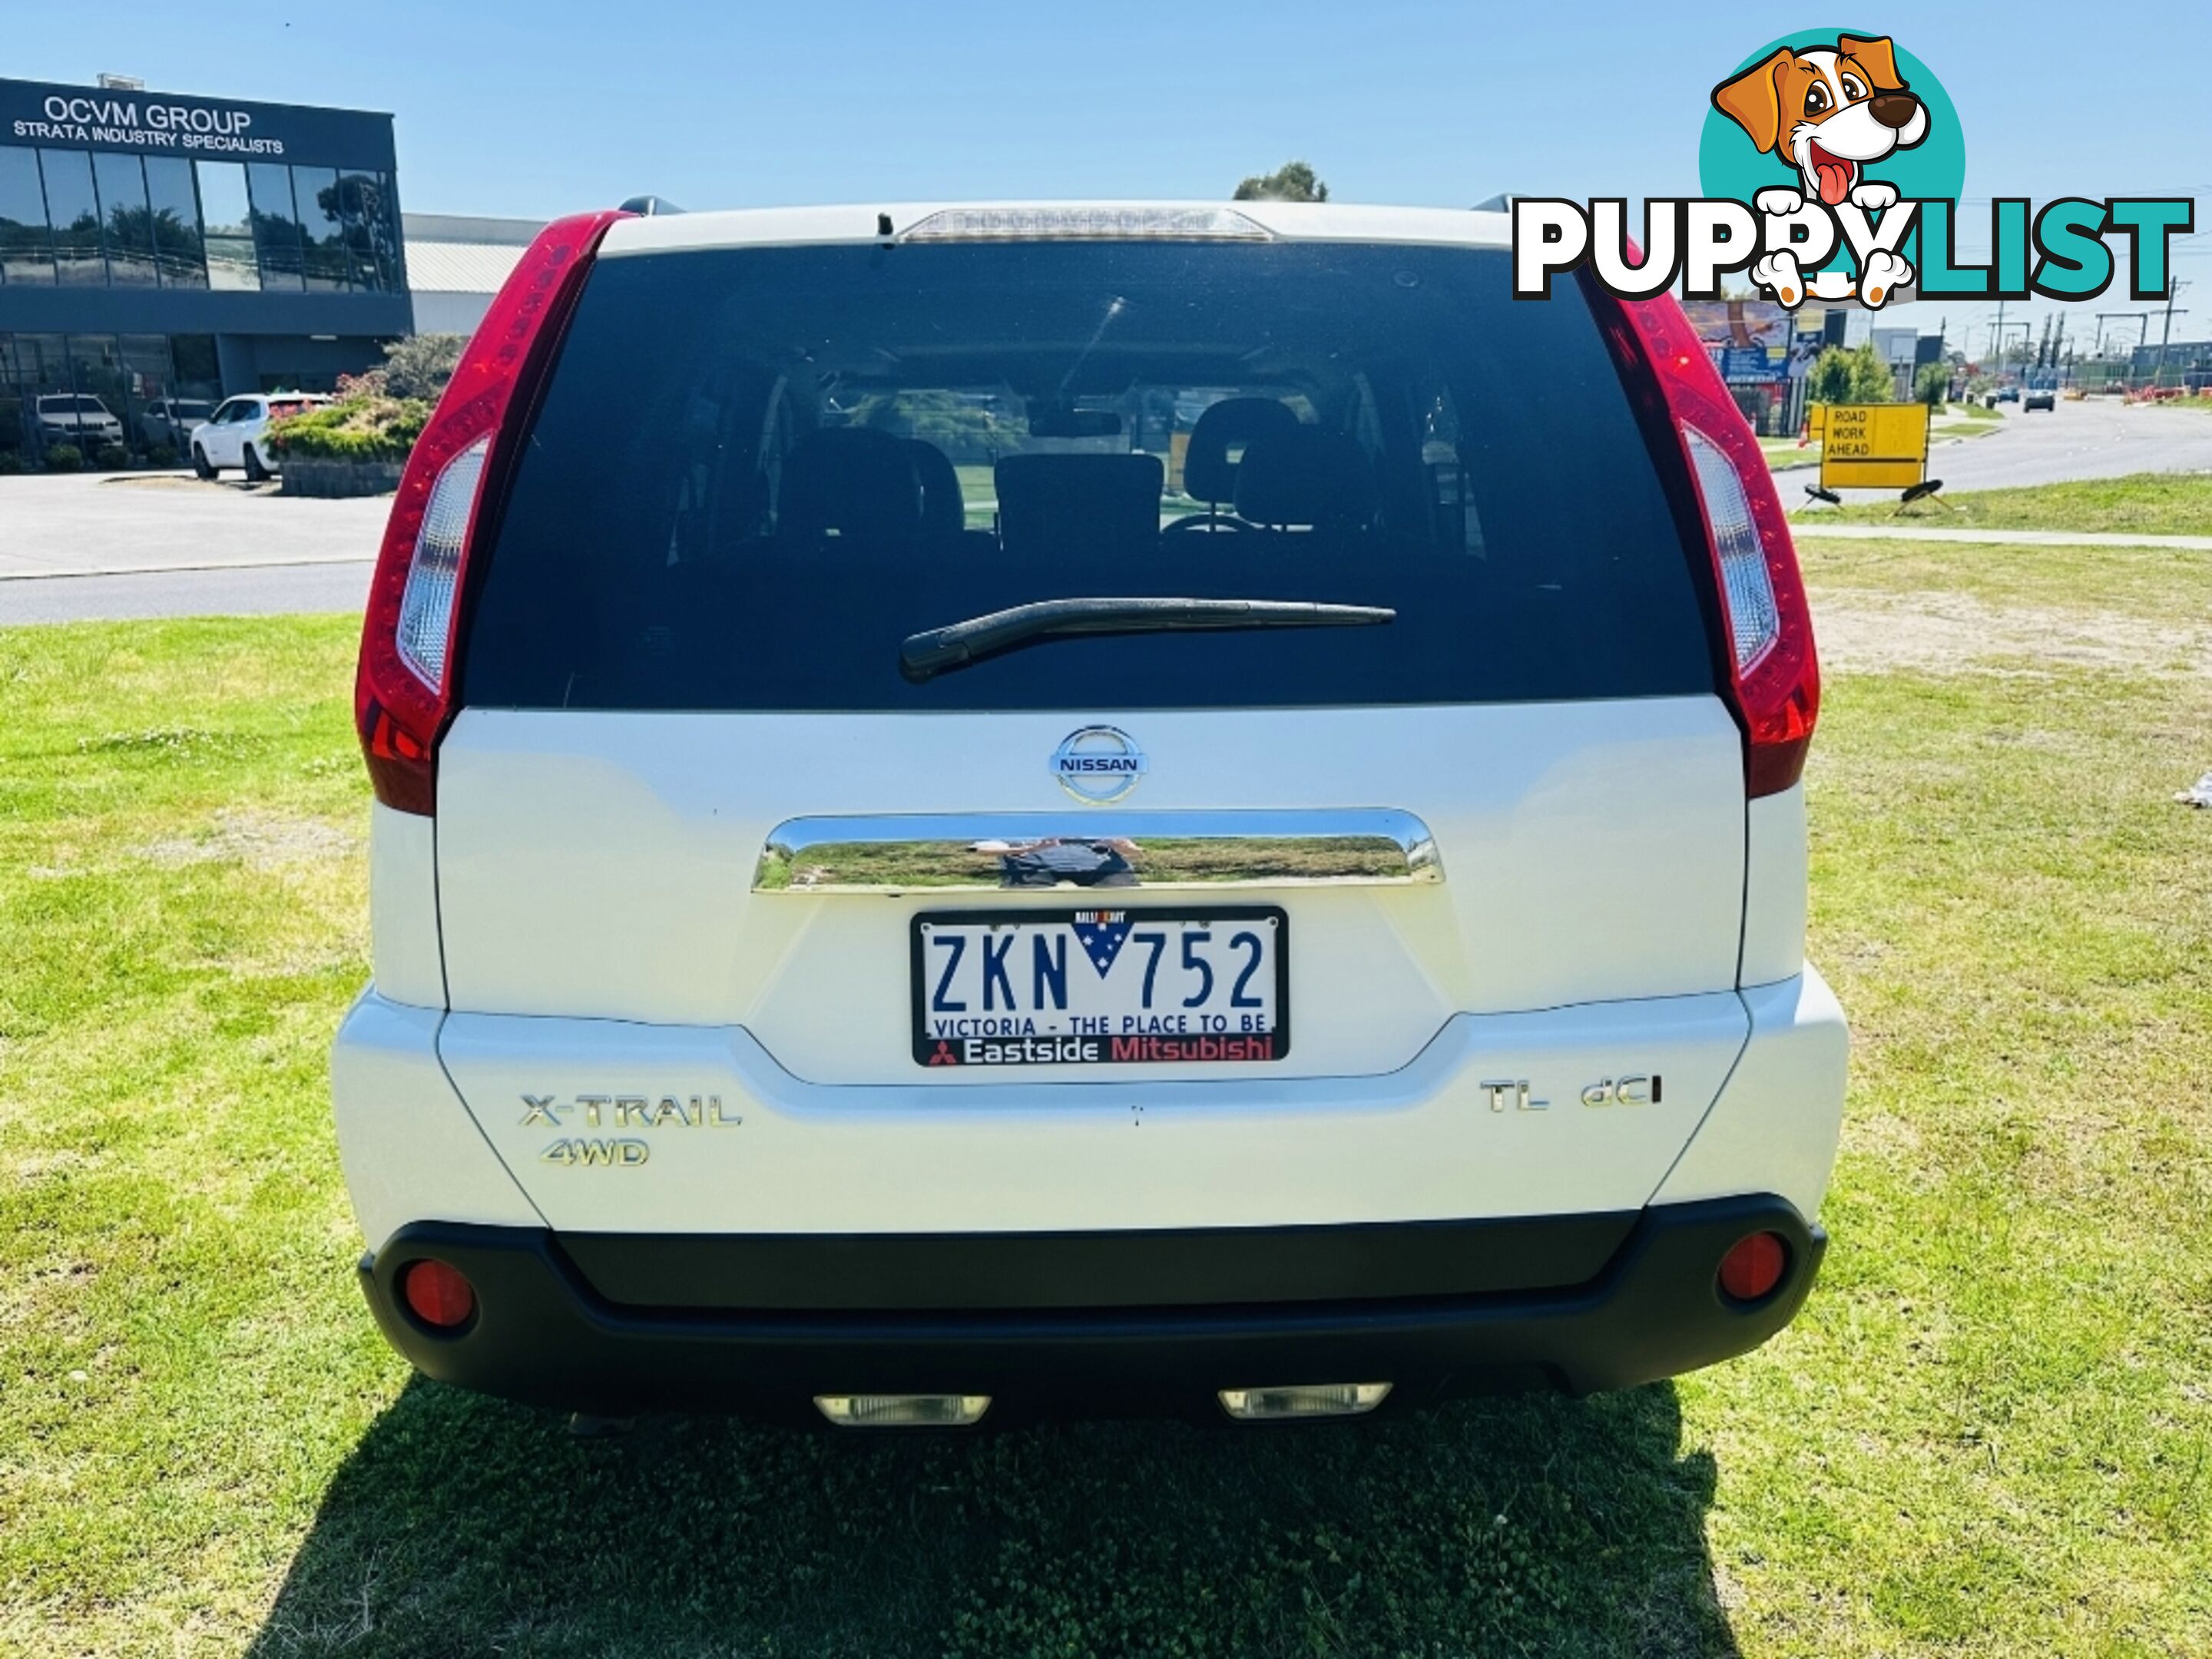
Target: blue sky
<point x="536" y="109"/>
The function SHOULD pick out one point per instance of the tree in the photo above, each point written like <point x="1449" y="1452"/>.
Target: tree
<point x="1932" y="384"/>
<point x="1857" y="376"/>
<point x="420" y="365"/>
<point x="1293" y="181"/>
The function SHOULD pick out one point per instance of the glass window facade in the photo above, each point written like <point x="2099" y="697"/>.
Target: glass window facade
<point x="73" y="214"/>
<point x="27" y="246"/>
<point x="92" y="217"/>
<point x="227" y="214"/>
<point x="179" y="251"/>
<point x="126" y="223"/>
<point x="140" y="392"/>
<point x="322" y="227"/>
<point x="372" y="230"/>
<point x="275" y="226"/>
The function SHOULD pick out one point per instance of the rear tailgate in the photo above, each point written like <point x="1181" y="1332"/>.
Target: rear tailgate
<point x="603" y="864"/>
<point x="685" y="645"/>
<point x="598" y="875"/>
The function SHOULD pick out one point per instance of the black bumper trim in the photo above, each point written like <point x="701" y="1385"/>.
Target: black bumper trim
<point x="544" y="1334"/>
<point x="1167" y="1267"/>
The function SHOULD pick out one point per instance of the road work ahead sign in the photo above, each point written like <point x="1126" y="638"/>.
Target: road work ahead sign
<point x="1871" y="445"/>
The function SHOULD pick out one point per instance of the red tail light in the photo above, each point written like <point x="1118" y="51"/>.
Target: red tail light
<point x="1753" y="1267"/>
<point x="403" y="693"/>
<point x="1774" y="673"/>
<point x="437" y="1294"/>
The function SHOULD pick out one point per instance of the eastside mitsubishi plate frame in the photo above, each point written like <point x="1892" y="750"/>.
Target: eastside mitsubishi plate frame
<point x="1102" y="984"/>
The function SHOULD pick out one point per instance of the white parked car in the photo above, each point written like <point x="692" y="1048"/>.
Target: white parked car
<point x="237" y="434"/>
<point x="850" y="943"/>
<point x="74" y="418"/>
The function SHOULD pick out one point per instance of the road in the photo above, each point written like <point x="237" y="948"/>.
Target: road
<point x="253" y="591"/>
<point x="2096" y="438"/>
<point x="164" y="544"/>
<point x="167" y="546"/>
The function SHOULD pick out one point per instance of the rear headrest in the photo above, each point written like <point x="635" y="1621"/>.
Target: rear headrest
<point x="743" y="511"/>
<point x="1208" y="473"/>
<point x="1053" y="506"/>
<point x="852" y="479"/>
<point x="943" y="514"/>
<point x="1306" y="477"/>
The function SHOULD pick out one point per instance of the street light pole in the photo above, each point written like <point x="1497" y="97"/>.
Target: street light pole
<point x="2173" y="286"/>
<point x="2141" y="319"/>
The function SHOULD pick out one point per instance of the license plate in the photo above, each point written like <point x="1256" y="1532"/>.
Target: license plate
<point x="1207" y="985"/>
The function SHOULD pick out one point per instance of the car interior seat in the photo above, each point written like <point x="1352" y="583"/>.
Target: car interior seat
<point x="850" y="482"/>
<point x="1307" y="478"/>
<point x="1064" y="506"/>
<point x="944" y="513"/>
<point x="1218" y="440"/>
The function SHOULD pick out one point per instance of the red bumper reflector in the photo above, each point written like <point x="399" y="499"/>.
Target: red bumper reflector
<point x="1754" y="1266"/>
<point x="438" y="1295"/>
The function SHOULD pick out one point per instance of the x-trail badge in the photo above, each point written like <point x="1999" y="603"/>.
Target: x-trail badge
<point x="1099" y="764"/>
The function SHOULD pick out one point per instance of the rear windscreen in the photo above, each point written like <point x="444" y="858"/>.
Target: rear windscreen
<point x="757" y="471"/>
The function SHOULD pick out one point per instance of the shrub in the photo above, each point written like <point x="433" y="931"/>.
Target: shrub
<point x="161" y="455"/>
<point x="1857" y="376"/>
<point x="369" y="383"/>
<point x="420" y="366"/>
<point x="11" y="462"/>
<point x="111" y="458"/>
<point x="64" y="457"/>
<point x="1293" y="181"/>
<point x="357" y="429"/>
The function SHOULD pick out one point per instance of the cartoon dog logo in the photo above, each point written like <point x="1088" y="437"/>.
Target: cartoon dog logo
<point x="1829" y="114"/>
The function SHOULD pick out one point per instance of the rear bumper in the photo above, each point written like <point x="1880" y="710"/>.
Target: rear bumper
<point x="542" y="1332"/>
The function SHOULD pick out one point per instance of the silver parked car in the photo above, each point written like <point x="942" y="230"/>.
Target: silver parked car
<point x="172" y="420"/>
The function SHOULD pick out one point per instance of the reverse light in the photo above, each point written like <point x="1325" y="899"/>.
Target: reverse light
<point x="433" y="574"/>
<point x="1303" y="1400"/>
<point x="1010" y="224"/>
<point x="1753" y="623"/>
<point x="902" y="1411"/>
<point x="1753" y="1267"/>
<point x="404" y="689"/>
<point x="1774" y="670"/>
<point x="437" y="1294"/>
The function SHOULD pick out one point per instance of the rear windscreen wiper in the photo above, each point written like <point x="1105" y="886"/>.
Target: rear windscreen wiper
<point x="940" y="650"/>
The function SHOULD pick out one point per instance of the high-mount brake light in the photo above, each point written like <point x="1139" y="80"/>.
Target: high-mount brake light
<point x="1774" y="670"/>
<point x="1077" y="224"/>
<point x="404" y="690"/>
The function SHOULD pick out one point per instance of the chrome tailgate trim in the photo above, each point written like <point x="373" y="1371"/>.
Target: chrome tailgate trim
<point x="994" y="852"/>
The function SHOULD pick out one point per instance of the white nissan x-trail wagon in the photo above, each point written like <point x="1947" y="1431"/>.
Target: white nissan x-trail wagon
<point x="985" y="811"/>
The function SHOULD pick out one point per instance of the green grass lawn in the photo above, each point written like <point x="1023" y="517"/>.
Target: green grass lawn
<point x="1989" y="1434"/>
<point x="2156" y="584"/>
<point x="2158" y="503"/>
<point x="1782" y="453"/>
